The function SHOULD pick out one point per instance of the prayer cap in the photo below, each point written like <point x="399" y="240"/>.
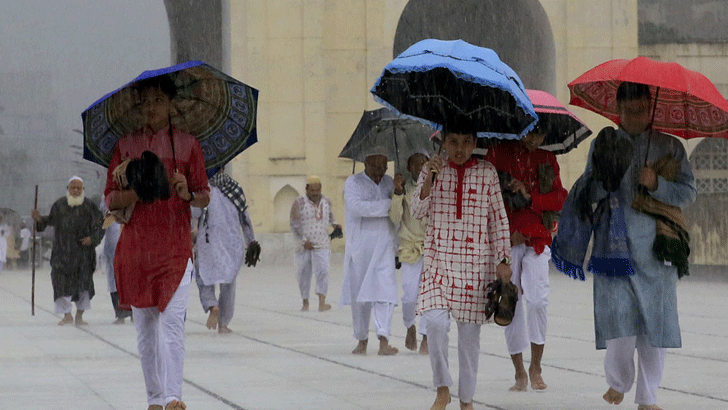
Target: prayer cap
<point x="378" y="150"/>
<point x="75" y="178"/>
<point x="313" y="179"/>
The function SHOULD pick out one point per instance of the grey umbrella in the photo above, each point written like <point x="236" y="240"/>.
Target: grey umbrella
<point x="398" y="137"/>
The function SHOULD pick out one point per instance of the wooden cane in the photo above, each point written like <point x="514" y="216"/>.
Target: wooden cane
<point x="32" y="262"/>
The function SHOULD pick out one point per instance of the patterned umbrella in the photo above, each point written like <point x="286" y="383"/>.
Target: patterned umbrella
<point x="218" y="109"/>
<point x="688" y="104"/>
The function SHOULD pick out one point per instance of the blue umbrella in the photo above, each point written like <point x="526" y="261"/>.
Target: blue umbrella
<point x="216" y="108"/>
<point x="458" y="86"/>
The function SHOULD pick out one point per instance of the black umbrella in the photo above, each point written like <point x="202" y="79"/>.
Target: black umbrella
<point x="396" y="136"/>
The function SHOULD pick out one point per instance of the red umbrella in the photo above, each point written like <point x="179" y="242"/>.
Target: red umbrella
<point x="565" y="130"/>
<point x="688" y="104"/>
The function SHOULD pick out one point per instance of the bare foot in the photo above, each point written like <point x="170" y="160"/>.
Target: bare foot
<point x="304" y="308"/>
<point x="521" y="383"/>
<point x="385" y="349"/>
<point x="612" y="396"/>
<point x="67" y="318"/>
<point x="79" y="318"/>
<point x="361" y="348"/>
<point x="410" y="341"/>
<point x="466" y="406"/>
<point x="119" y="321"/>
<point x="323" y="306"/>
<point x="423" y="345"/>
<point x="442" y="399"/>
<point x="648" y="407"/>
<point x="176" y="405"/>
<point x="223" y="329"/>
<point x="212" y="319"/>
<point x="155" y="407"/>
<point x="537" y="382"/>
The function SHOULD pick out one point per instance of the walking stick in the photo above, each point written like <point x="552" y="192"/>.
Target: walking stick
<point x="32" y="263"/>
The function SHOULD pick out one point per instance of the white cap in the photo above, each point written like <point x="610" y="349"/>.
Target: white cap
<point x="75" y="178"/>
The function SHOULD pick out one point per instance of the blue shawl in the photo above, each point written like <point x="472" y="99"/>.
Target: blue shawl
<point x="579" y="220"/>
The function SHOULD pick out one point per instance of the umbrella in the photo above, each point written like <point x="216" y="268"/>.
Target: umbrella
<point x="687" y="103"/>
<point x="218" y="109"/>
<point x="564" y="130"/>
<point x="400" y="137"/>
<point x="459" y="86"/>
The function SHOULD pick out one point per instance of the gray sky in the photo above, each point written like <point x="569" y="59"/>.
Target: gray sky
<point x="90" y="47"/>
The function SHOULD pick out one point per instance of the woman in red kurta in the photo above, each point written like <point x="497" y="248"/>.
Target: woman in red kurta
<point x="153" y="262"/>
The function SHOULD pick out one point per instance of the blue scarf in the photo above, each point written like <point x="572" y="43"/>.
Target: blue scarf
<point x="610" y="253"/>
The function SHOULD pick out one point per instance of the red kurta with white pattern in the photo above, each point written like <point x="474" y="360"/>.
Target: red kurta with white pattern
<point x="156" y="243"/>
<point x="466" y="238"/>
<point x="512" y="157"/>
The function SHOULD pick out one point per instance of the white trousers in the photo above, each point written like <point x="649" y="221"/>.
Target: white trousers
<point x="63" y="304"/>
<point x="411" y="278"/>
<point x="361" y="314"/>
<point x="531" y="275"/>
<point x="161" y="343"/>
<point x="620" y="372"/>
<point x="438" y="327"/>
<point x="313" y="262"/>
<point x="225" y="302"/>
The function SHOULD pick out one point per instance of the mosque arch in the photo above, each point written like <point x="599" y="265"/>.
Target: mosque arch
<point x="282" y="203"/>
<point x="196" y="31"/>
<point x="518" y="30"/>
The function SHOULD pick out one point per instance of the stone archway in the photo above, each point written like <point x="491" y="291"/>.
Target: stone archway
<point x="196" y="31"/>
<point x="282" y="207"/>
<point x="518" y="30"/>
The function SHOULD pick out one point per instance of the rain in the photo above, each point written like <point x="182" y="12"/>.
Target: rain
<point x="313" y="68"/>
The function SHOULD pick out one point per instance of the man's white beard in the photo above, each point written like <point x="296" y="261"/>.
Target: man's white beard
<point x="74" y="200"/>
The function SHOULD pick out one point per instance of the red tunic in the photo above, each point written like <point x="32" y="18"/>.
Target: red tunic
<point x="156" y="243"/>
<point x="515" y="159"/>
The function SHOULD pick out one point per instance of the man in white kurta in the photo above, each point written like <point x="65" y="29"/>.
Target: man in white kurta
<point x="369" y="281"/>
<point x="411" y="232"/>
<point x="224" y="231"/>
<point x="311" y="216"/>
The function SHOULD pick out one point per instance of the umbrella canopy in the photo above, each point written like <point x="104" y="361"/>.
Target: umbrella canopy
<point x="216" y="108"/>
<point x="459" y="86"/>
<point x="400" y="137"/>
<point x="564" y="129"/>
<point x="688" y="104"/>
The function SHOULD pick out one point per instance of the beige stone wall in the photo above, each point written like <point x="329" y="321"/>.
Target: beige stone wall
<point x="314" y="62"/>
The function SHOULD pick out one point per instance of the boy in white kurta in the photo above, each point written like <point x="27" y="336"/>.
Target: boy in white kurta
<point x="411" y="233"/>
<point x="311" y="215"/>
<point x="467" y="246"/>
<point x="369" y="280"/>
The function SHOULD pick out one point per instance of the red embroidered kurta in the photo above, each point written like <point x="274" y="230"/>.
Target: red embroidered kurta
<point x="515" y="159"/>
<point x="156" y="243"/>
<point x="466" y="238"/>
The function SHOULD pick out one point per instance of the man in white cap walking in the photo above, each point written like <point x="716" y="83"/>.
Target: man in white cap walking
<point x="311" y="216"/>
<point x="77" y="222"/>
<point x="369" y="282"/>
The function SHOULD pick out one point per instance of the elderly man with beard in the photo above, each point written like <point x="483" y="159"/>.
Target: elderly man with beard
<point x="369" y="282"/>
<point x="77" y="222"/>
